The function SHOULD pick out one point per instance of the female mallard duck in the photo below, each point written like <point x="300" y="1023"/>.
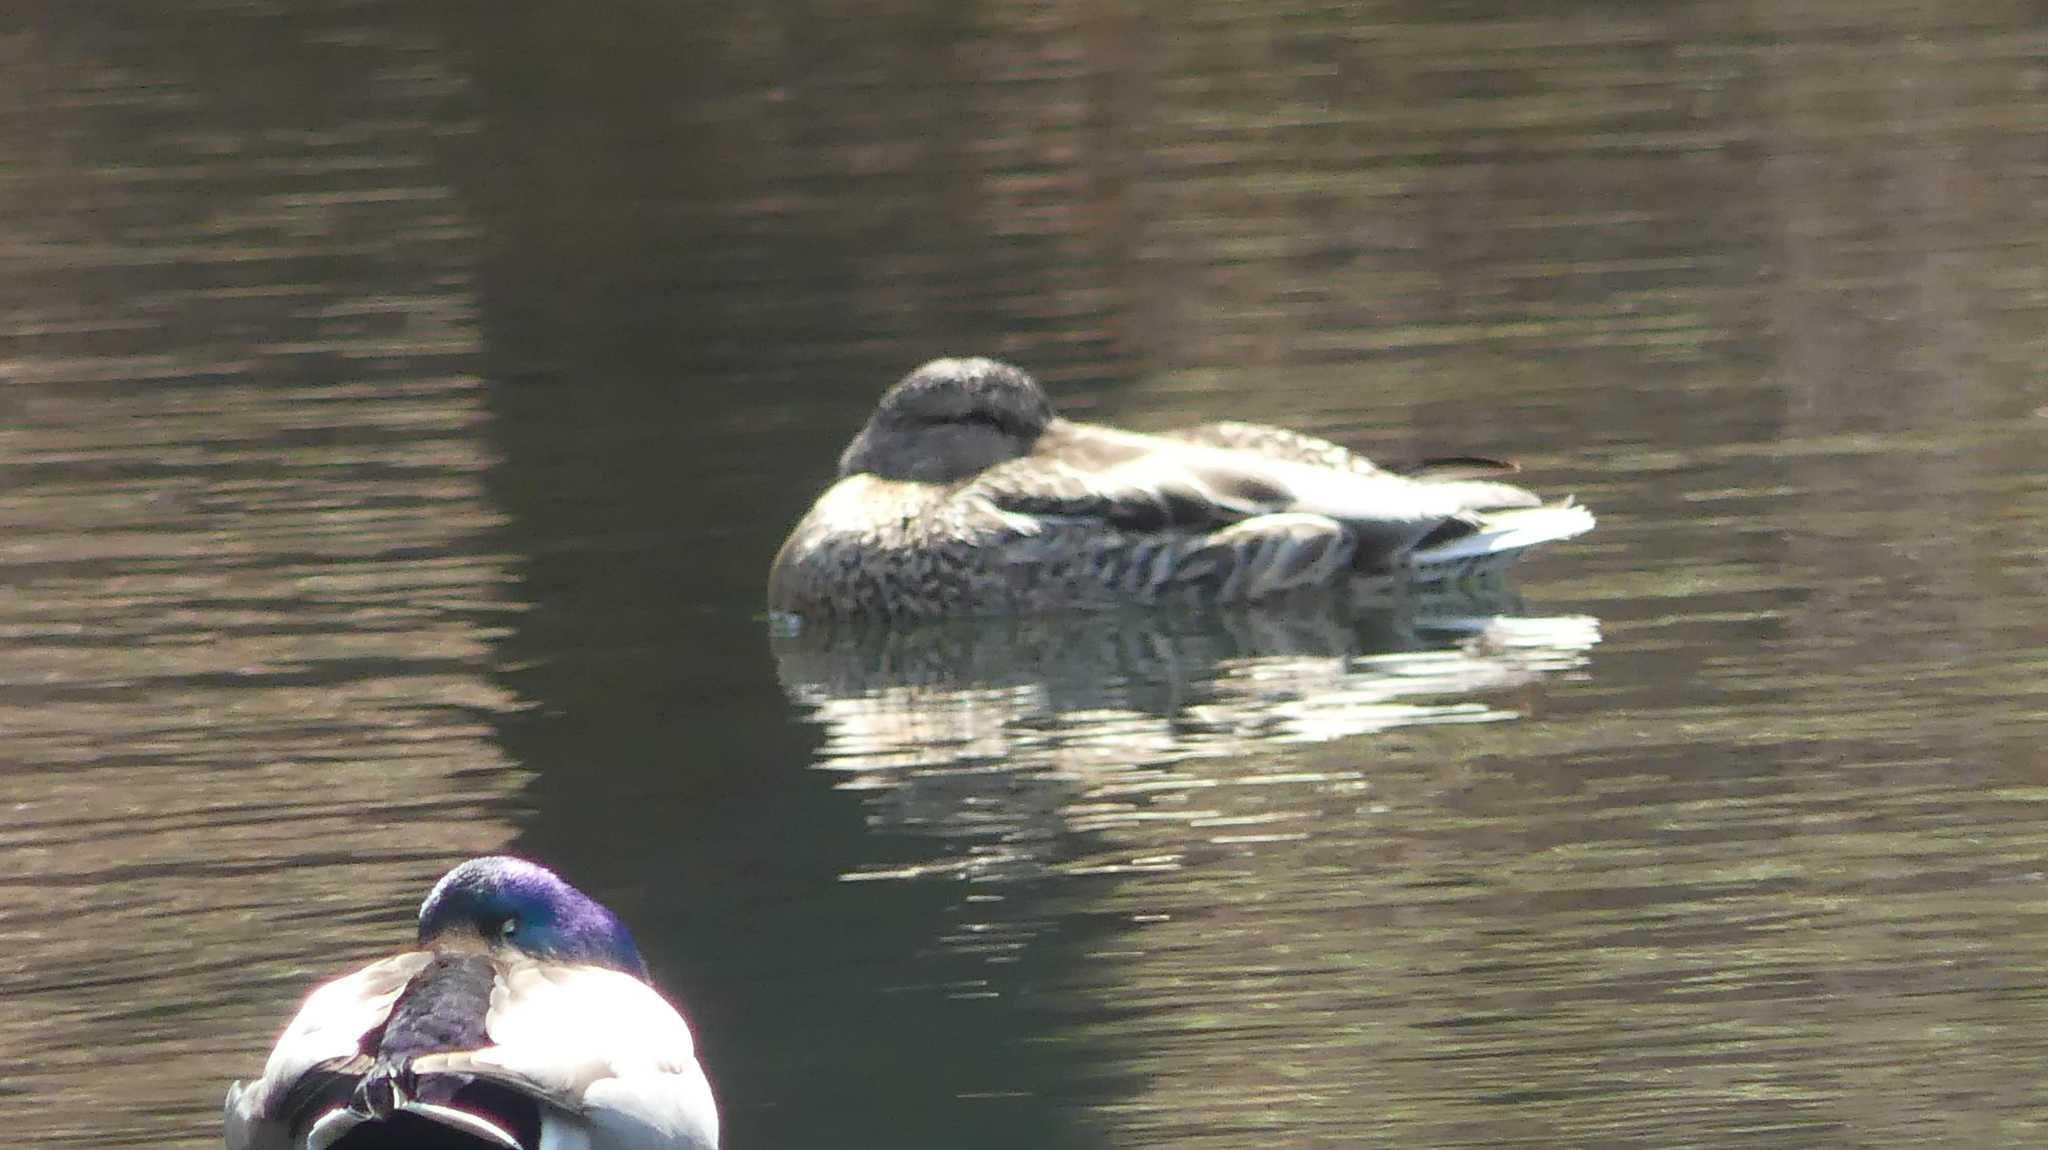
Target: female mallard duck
<point x="965" y="493"/>
<point x="523" y="1021"/>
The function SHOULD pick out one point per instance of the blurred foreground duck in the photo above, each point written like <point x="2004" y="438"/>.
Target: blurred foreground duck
<point x="965" y="493"/>
<point x="523" y="1021"/>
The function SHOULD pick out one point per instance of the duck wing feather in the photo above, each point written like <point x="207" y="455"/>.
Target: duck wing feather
<point x="1227" y="474"/>
<point x="1275" y="443"/>
<point x="596" y="1043"/>
<point x="318" y="1053"/>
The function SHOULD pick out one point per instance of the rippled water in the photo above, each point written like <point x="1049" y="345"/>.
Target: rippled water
<point x="401" y="403"/>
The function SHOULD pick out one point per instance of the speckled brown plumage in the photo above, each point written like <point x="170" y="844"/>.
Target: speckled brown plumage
<point x="965" y="493"/>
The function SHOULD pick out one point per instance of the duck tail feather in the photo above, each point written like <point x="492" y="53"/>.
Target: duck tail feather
<point x="473" y="1124"/>
<point x="396" y="1107"/>
<point x="1499" y="538"/>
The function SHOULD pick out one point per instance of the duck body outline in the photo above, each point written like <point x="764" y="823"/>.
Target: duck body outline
<point x="966" y="494"/>
<point x="523" y="1021"/>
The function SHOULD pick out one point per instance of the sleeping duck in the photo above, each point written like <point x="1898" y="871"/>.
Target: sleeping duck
<point x="523" y="1021"/>
<point x="965" y="493"/>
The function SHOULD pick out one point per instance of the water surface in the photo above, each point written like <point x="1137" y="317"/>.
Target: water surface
<point x="402" y="403"/>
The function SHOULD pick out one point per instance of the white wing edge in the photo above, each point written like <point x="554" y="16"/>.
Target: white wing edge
<point x="1507" y="532"/>
<point x="625" y="1111"/>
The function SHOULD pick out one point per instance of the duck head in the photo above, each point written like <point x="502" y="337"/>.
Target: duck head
<point x="512" y="903"/>
<point x="948" y="420"/>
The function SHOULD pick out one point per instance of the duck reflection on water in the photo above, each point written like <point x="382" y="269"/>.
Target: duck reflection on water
<point x="1013" y="739"/>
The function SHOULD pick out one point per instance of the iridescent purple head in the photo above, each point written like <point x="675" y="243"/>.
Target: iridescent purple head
<point x="512" y="902"/>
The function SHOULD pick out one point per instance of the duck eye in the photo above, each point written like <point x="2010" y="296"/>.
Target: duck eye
<point x="508" y="928"/>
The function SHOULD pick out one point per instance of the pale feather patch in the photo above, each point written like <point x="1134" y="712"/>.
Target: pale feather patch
<point x="538" y="1005"/>
<point x="624" y="1112"/>
<point x="599" y="1043"/>
<point x="1502" y="536"/>
<point x="330" y="1025"/>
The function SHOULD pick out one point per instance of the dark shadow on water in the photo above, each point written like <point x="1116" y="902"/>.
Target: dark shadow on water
<point x="678" y="338"/>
